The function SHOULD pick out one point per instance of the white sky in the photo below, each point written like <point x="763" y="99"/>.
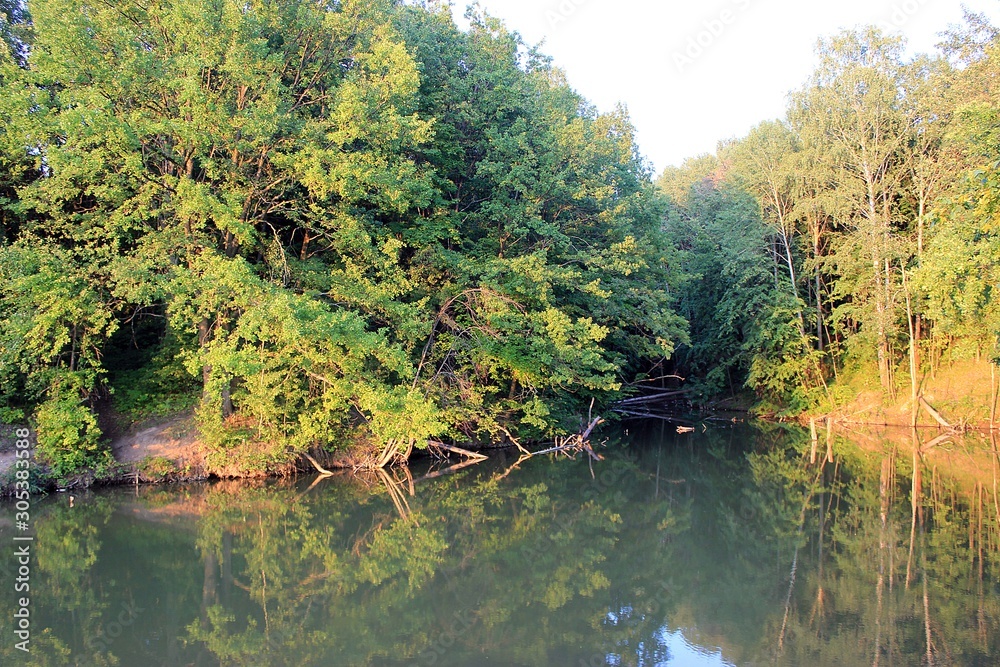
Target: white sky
<point x="631" y="51"/>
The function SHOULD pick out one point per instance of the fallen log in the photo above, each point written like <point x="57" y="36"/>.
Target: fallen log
<point x="458" y="450"/>
<point x="320" y="469"/>
<point x="652" y="398"/>
<point x="934" y="413"/>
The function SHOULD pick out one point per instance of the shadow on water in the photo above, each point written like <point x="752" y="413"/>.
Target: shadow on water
<point x="709" y="548"/>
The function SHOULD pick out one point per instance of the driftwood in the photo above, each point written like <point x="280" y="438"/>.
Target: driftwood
<point x="514" y="440"/>
<point x="941" y="439"/>
<point x="662" y="417"/>
<point x="652" y="398"/>
<point x="934" y="413"/>
<point x="320" y="469"/>
<point x="574" y="443"/>
<point x="472" y="456"/>
<point x="815" y="440"/>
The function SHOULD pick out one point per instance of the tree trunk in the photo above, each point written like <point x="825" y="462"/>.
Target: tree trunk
<point x="227" y="401"/>
<point x="993" y="395"/>
<point x="791" y="276"/>
<point x="819" y="299"/>
<point x="882" y="340"/>
<point x="204" y="331"/>
<point x="913" y="354"/>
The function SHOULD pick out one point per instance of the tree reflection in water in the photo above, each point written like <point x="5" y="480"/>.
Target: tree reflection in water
<point x="726" y="547"/>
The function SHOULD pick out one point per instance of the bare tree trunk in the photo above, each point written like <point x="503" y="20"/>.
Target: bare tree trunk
<point x="913" y="354"/>
<point x="304" y="254"/>
<point x="819" y="315"/>
<point x="829" y="440"/>
<point x="882" y="342"/>
<point x="993" y="396"/>
<point x="815" y="440"/>
<point x="785" y="241"/>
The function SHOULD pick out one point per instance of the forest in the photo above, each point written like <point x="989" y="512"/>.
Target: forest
<point x="353" y="224"/>
<point x="855" y="237"/>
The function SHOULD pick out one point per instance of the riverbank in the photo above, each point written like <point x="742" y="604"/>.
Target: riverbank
<point x="168" y="449"/>
<point x="164" y="450"/>
<point x="962" y="393"/>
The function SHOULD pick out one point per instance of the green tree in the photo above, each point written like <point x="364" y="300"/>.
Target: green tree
<point x="352" y="222"/>
<point x="745" y="324"/>
<point x="852" y="115"/>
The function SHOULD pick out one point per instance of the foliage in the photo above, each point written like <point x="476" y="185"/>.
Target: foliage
<point x="344" y="222"/>
<point x="745" y="326"/>
<point x="157" y="468"/>
<point x="877" y="202"/>
<point x="68" y="437"/>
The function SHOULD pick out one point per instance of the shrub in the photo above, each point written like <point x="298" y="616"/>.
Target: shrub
<point x="68" y="435"/>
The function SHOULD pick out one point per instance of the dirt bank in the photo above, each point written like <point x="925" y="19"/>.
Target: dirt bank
<point x="960" y="391"/>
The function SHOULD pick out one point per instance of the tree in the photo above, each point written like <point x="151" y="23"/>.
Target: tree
<point x="852" y="115"/>
<point x="350" y="222"/>
<point x="762" y="163"/>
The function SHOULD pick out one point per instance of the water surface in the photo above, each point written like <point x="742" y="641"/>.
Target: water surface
<point x="726" y="547"/>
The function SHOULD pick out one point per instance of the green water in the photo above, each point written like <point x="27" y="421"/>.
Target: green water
<point x="716" y="548"/>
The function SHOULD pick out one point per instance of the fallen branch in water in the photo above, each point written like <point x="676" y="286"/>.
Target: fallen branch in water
<point x="669" y="418"/>
<point x="652" y="398"/>
<point x="514" y="440"/>
<point x="577" y="442"/>
<point x="934" y="413"/>
<point x="457" y="450"/>
<point x="320" y="469"/>
<point x="941" y="439"/>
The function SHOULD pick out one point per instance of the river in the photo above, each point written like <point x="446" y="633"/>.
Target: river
<point x="726" y="546"/>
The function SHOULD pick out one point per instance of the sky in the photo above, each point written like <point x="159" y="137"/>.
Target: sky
<point x="694" y="73"/>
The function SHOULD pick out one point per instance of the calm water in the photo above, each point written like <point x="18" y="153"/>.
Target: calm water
<point x="717" y="548"/>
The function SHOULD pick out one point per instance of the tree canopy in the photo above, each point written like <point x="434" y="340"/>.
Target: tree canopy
<point x="872" y="250"/>
<point x="319" y="222"/>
